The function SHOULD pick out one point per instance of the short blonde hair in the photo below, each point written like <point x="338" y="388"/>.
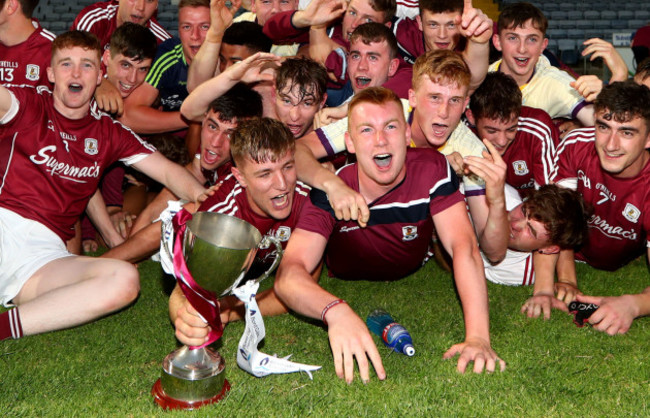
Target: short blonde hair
<point x="442" y="67"/>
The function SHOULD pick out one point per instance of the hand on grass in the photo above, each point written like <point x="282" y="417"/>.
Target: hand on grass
<point x="614" y="315"/>
<point x="477" y="350"/>
<point x="350" y="340"/>
<point x="542" y="303"/>
<point x="566" y="292"/>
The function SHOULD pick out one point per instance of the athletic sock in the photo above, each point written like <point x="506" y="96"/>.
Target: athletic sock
<point x="10" y="326"/>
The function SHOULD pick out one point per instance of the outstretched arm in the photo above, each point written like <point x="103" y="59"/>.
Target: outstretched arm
<point x="253" y="68"/>
<point x="456" y="234"/>
<point x="175" y="177"/>
<point x="348" y="334"/>
<point x="476" y="26"/>
<point x="347" y="203"/>
<point x="204" y="64"/>
<point x="144" y="119"/>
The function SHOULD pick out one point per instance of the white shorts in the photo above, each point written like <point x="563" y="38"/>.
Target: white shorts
<point x="516" y="269"/>
<point x="25" y="247"/>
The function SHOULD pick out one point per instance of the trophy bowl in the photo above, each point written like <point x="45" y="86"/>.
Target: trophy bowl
<point x="218" y="250"/>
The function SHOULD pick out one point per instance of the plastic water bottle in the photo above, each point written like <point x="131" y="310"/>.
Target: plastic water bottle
<point x="394" y="335"/>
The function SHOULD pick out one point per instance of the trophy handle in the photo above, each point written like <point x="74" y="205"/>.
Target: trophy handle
<point x="276" y="261"/>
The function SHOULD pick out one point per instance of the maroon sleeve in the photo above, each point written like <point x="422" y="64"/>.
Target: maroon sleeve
<point x="281" y="31"/>
<point x="314" y="219"/>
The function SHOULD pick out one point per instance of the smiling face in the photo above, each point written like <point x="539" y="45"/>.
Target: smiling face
<point x="621" y="146"/>
<point x="370" y="65"/>
<point x="136" y="11"/>
<point x="526" y="234"/>
<point x="193" y="25"/>
<point x="521" y="48"/>
<point x="296" y="110"/>
<point x="499" y="132"/>
<point x="265" y="9"/>
<point x="269" y="185"/>
<point x="439" y="29"/>
<point x="75" y="73"/>
<point x="358" y="13"/>
<point x="215" y="140"/>
<point x="124" y="73"/>
<point x="379" y="136"/>
<point x="438" y="108"/>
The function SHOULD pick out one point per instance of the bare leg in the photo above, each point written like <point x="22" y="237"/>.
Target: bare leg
<point x="75" y="290"/>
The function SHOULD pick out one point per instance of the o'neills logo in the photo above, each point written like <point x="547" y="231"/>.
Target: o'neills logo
<point x="615" y="232"/>
<point x="63" y="170"/>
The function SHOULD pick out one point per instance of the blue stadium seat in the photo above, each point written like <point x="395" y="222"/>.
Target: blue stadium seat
<point x="552" y="46"/>
<point x="566" y="24"/>
<point x="567" y="6"/>
<point x="584" y="24"/>
<point x="635" y="24"/>
<point x="557" y="15"/>
<point x="602" y="24"/>
<point x="643" y="14"/>
<point x="577" y="34"/>
<point x="608" y="14"/>
<point x="591" y="14"/>
<point x="618" y="24"/>
<point x="574" y="15"/>
<point x="556" y="33"/>
<point x="626" y="14"/>
<point x="594" y="33"/>
<point x="568" y="51"/>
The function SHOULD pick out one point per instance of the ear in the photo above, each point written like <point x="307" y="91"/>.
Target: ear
<point x="11" y="6"/>
<point x="549" y="249"/>
<point x="254" y="6"/>
<point x="647" y="139"/>
<point x="412" y="98"/>
<point x="239" y="176"/>
<point x="408" y="135"/>
<point x="388" y="24"/>
<point x="466" y="100"/>
<point x="322" y="103"/>
<point x="496" y="41"/>
<point x="392" y="67"/>
<point x="106" y="57"/>
<point x="418" y="19"/>
<point x="349" y="144"/>
<point x="470" y="116"/>
<point x="545" y="43"/>
<point x="50" y="74"/>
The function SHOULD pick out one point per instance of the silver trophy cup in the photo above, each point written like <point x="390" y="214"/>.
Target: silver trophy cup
<point x="218" y="250"/>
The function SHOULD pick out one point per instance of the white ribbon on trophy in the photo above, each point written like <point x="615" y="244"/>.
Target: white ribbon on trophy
<point x="248" y="357"/>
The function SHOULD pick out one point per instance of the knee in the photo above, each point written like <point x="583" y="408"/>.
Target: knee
<point x="125" y="285"/>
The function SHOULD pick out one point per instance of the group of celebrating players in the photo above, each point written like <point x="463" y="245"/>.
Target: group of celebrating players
<point x="348" y="133"/>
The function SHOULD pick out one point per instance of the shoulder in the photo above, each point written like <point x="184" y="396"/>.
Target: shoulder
<point x="158" y="30"/>
<point x="95" y="14"/>
<point x="225" y="198"/>
<point x="545" y="71"/>
<point x="42" y="35"/>
<point x="537" y="122"/>
<point x="464" y="141"/>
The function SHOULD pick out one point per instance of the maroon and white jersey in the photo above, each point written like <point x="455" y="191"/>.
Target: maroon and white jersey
<point x="396" y="240"/>
<point x="26" y="63"/>
<point x="50" y="165"/>
<point x="620" y="222"/>
<point x="101" y="19"/>
<point x="530" y="156"/>
<point x="230" y="199"/>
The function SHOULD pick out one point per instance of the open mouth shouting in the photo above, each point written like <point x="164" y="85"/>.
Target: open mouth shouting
<point x="362" y="82"/>
<point x="280" y="201"/>
<point x="75" y="87"/>
<point x="295" y="129"/>
<point x="522" y="62"/>
<point x="443" y="45"/>
<point x="382" y="161"/>
<point x="210" y="157"/>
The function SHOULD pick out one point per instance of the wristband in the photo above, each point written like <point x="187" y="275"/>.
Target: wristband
<point x="328" y="307"/>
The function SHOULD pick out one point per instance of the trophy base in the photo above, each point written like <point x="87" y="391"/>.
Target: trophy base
<point x="167" y="402"/>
